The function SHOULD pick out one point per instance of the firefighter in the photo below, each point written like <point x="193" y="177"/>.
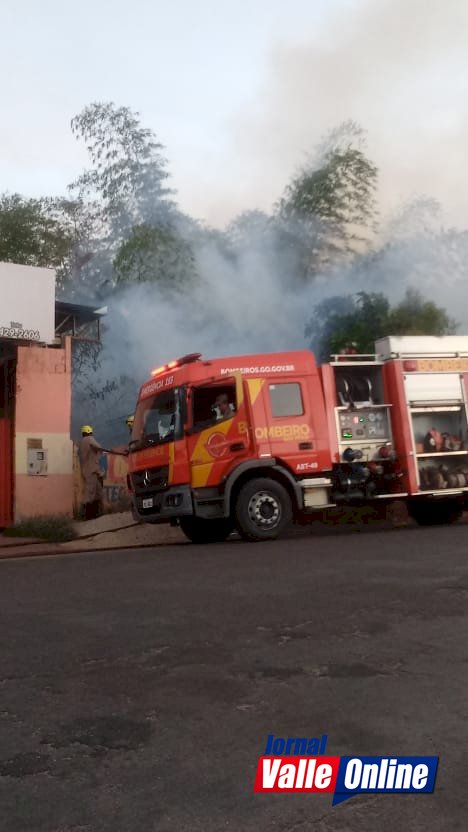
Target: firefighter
<point x="130" y="423"/>
<point x="90" y="452"/>
<point x="222" y="407"/>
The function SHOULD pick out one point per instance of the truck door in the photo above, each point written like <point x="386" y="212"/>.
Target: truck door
<point x="291" y="427"/>
<point x="218" y="433"/>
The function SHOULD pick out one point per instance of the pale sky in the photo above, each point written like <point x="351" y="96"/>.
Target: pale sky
<point x="239" y="92"/>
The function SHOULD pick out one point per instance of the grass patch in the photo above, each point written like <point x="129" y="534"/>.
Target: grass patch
<point x="55" y="528"/>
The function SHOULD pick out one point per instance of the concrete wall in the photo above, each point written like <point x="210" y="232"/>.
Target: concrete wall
<point x="42" y="418"/>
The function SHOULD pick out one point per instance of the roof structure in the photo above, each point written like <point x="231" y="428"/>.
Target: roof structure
<point x="78" y="320"/>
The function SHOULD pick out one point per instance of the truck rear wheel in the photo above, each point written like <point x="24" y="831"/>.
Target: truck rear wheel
<point x="263" y="510"/>
<point x="200" y="530"/>
<point x="435" y="513"/>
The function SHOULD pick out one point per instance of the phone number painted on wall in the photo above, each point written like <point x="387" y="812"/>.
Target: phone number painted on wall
<point x="20" y="334"/>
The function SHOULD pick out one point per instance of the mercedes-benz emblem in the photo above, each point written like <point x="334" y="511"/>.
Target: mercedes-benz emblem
<point x="146" y="479"/>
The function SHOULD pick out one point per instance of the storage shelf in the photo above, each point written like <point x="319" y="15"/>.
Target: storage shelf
<point x="442" y="453"/>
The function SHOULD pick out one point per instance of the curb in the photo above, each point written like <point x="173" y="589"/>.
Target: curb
<point x="16" y="555"/>
<point x="18" y="552"/>
<point x="106" y="531"/>
<point x="19" y="542"/>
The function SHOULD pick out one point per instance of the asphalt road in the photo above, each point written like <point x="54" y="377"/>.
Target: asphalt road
<point x="138" y="688"/>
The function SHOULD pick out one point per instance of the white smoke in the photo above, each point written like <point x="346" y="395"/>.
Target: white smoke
<point x="248" y="303"/>
<point x="398" y="67"/>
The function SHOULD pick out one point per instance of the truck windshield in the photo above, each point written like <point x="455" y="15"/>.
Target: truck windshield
<point x="158" y="419"/>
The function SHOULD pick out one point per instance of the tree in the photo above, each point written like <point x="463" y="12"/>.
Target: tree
<point x="154" y="255"/>
<point x="416" y="316"/>
<point x="365" y="317"/>
<point x="360" y="319"/>
<point x="85" y="268"/>
<point x="33" y="233"/>
<point x="248" y="229"/>
<point x="335" y="192"/>
<point x="128" y="173"/>
<point x="127" y="201"/>
<point x="327" y="319"/>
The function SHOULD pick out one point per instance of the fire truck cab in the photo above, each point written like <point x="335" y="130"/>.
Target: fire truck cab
<point x="254" y="442"/>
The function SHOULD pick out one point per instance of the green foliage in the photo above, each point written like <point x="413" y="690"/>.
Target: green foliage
<point x="127" y="171"/>
<point x="33" y="233"/>
<point x="154" y="255"/>
<point x="365" y="317"/>
<point x="417" y="316"/>
<point x="55" y="528"/>
<point x="336" y="193"/>
<point x="130" y="211"/>
<point x="328" y="318"/>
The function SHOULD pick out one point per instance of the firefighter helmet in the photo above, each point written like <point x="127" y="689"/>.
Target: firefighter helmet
<point x="86" y="429"/>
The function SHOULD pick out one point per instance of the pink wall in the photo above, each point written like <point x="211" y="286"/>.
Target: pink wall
<point x="43" y="389"/>
<point x="42" y="414"/>
<point x="43" y="495"/>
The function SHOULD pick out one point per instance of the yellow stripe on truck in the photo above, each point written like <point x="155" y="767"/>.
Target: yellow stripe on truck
<point x="171" y="461"/>
<point x="201" y="460"/>
<point x="255" y="386"/>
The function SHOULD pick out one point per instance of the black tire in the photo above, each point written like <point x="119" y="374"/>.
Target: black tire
<point x="200" y="530"/>
<point x="436" y="513"/>
<point x="263" y="510"/>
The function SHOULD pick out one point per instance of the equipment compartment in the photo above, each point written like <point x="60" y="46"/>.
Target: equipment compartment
<point x="443" y="471"/>
<point x="439" y="430"/>
<point x="440" y="435"/>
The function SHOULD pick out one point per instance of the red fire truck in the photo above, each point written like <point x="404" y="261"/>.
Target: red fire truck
<point x="254" y="442"/>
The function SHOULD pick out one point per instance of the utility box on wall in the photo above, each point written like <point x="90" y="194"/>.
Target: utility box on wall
<point x="37" y="462"/>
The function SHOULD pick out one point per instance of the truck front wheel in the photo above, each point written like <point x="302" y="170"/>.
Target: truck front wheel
<point x="435" y="513"/>
<point x="263" y="510"/>
<point x="199" y="530"/>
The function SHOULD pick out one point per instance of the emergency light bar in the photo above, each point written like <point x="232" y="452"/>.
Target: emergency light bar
<point x="186" y="359"/>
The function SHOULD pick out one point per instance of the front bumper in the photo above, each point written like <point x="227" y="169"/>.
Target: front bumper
<point x="161" y="506"/>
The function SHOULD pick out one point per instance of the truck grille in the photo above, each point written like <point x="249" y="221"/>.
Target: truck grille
<point x="150" y="479"/>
